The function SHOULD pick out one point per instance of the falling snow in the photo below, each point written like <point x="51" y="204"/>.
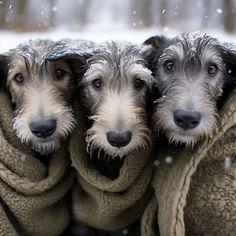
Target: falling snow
<point x="55" y="9"/>
<point x="156" y="163"/>
<point x="42" y="11"/>
<point x="168" y="159"/>
<point x="163" y="11"/>
<point x="227" y="163"/>
<point x="219" y="11"/>
<point x="23" y="157"/>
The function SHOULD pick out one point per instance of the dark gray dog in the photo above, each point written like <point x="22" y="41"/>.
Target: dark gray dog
<point x="193" y="74"/>
<point x="41" y="91"/>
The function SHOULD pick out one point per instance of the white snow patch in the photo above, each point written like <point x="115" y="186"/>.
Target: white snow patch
<point x="10" y="39"/>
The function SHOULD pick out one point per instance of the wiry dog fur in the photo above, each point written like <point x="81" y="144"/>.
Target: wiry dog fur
<point x="40" y="90"/>
<point x="115" y="89"/>
<point x="193" y="73"/>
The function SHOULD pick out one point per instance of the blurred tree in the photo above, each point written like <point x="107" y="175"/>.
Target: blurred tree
<point x="52" y="10"/>
<point x="21" y="15"/>
<point x="141" y="13"/>
<point x="82" y="12"/>
<point x="228" y="17"/>
<point x="206" y="7"/>
<point x="3" y="14"/>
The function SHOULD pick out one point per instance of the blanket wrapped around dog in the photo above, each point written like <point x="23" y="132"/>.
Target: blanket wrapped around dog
<point x="33" y="195"/>
<point x="196" y="193"/>
<point x="101" y="202"/>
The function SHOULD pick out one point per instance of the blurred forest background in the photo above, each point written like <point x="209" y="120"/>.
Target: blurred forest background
<point x="182" y="15"/>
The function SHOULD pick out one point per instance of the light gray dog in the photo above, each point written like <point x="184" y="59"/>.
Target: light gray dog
<point x="115" y="90"/>
<point x="193" y="75"/>
<point x="41" y="91"/>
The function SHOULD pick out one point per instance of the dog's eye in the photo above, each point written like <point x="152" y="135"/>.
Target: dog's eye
<point x="59" y="73"/>
<point x="169" y="66"/>
<point x="212" y="69"/>
<point x="97" y="83"/>
<point x="139" y="84"/>
<point x="19" y="78"/>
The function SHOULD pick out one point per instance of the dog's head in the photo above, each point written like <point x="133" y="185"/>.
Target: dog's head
<point x="115" y="90"/>
<point x="192" y="74"/>
<point x="41" y="90"/>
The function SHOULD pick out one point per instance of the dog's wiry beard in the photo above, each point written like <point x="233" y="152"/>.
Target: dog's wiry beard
<point x="163" y="122"/>
<point x="96" y="135"/>
<point x="65" y="120"/>
<point x="45" y="148"/>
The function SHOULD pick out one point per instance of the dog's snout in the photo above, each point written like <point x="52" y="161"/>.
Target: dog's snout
<point x="187" y="119"/>
<point x="43" y="128"/>
<point x="119" y="139"/>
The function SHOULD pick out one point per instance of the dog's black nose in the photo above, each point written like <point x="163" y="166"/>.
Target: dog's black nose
<point x="187" y="119"/>
<point x="119" y="139"/>
<point x="43" y="128"/>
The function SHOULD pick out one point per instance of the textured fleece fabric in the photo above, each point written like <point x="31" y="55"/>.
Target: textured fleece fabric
<point x="196" y="194"/>
<point x="33" y="197"/>
<point x="104" y="203"/>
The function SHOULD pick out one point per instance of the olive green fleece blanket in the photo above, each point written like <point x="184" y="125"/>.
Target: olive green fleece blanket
<point x="108" y="204"/>
<point x="32" y="195"/>
<point x="196" y="194"/>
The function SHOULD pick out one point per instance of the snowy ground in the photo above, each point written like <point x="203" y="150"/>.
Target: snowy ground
<point x="10" y="39"/>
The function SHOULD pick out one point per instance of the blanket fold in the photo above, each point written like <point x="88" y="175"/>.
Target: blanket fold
<point x="33" y="195"/>
<point x="104" y="203"/>
<point x="196" y="193"/>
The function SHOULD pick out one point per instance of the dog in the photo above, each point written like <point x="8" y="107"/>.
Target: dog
<point x="115" y="89"/>
<point x="41" y="91"/>
<point x="194" y="74"/>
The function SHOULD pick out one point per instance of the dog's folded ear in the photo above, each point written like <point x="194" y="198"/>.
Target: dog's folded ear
<point x="3" y="69"/>
<point x="153" y="48"/>
<point x="74" y="52"/>
<point x="229" y="58"/>
<point x="228" y="54"/>
<point x="156" y="41"/>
